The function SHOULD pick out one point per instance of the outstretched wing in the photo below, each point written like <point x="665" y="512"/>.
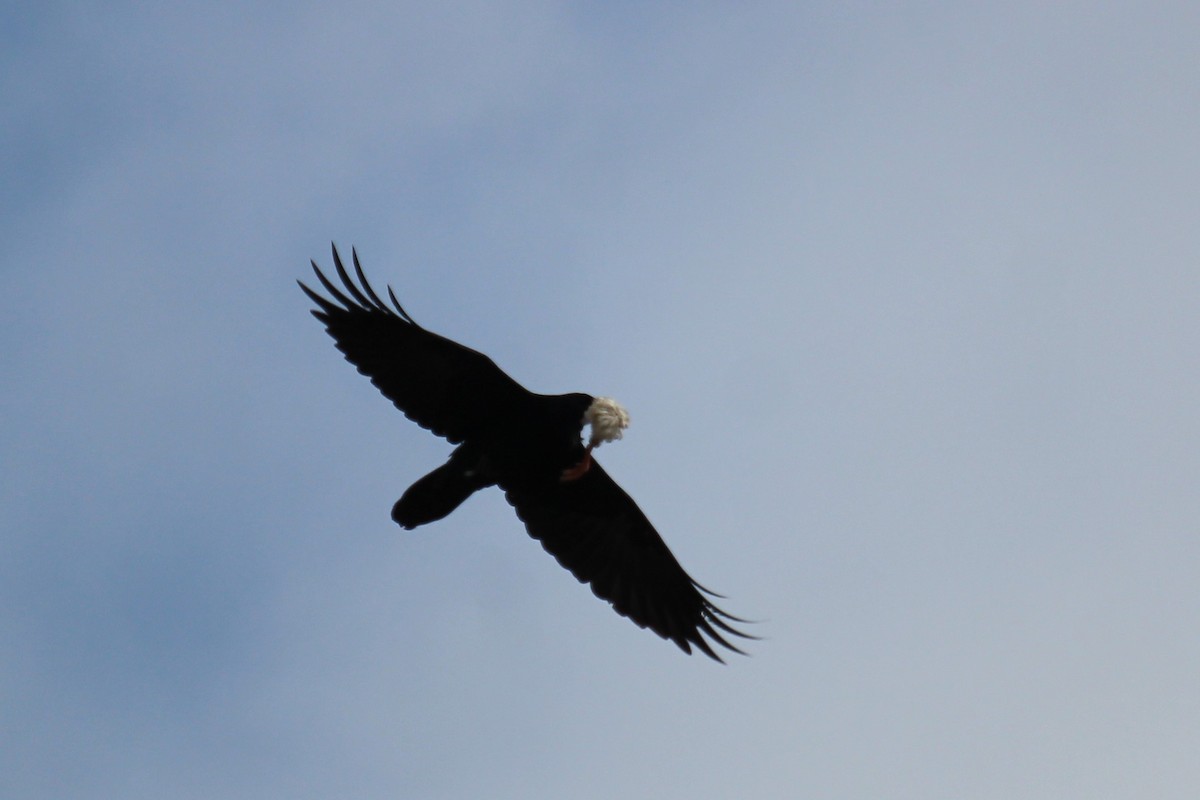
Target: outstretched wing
<point x="594" y="529"/>
<point x="439" y="384"/>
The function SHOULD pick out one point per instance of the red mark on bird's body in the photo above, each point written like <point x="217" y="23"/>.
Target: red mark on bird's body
<point x="579" y="470"/>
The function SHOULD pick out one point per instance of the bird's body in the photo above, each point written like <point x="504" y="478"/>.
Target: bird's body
<point x="535" y="444"/>
<point x="527" y="444"/>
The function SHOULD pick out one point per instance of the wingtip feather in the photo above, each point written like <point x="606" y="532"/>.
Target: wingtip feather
<point x="333" y="290"/>
<point x="404" y="314"/>
<point x="325" y="305"/>
<point x="366" y="285"/>
<point x="361" y="298"/>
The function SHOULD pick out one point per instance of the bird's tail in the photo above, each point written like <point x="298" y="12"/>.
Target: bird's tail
<point x="438" y="493"/>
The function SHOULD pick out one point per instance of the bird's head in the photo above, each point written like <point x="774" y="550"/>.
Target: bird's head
<point x="608" y="419"/>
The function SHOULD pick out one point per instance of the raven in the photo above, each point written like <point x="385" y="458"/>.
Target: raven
<point x="530" y="445"/>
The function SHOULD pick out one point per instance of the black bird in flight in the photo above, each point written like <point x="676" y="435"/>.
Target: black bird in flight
<point x="530" y="445"/>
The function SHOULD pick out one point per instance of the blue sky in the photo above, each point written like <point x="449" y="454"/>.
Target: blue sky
<point x="903" y="301"/>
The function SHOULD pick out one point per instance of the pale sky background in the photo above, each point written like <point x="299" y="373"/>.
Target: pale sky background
<point x="903" y="300"/>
